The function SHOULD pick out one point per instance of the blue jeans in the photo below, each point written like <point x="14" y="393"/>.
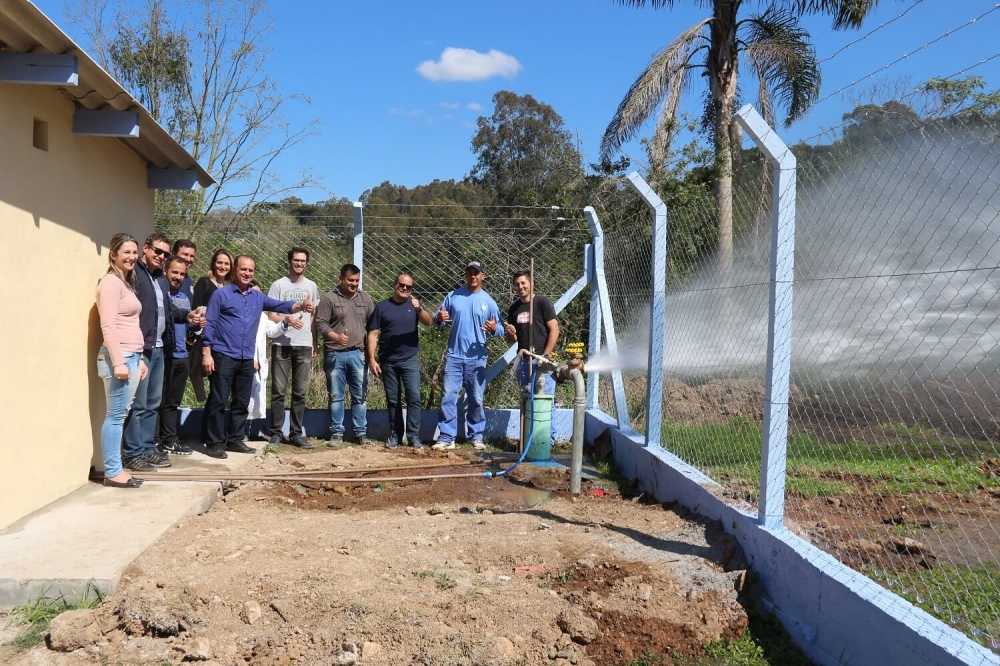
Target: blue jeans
<point x="141" y="427"/>
<point x="525" y="369"/>
<point x="399" y="378"/>
<point x="119" y="394"/>
<point x="470" y="374"/>
<point x="346" y="369"/>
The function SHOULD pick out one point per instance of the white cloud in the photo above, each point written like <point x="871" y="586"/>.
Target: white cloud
<point x="474" y="106"/>
<point x="450" y="105"/>
<point x="469" y="65"/>
<point x="410" y="113"/>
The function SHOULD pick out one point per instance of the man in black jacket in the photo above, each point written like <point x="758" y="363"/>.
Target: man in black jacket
<point x="156" y="321"/>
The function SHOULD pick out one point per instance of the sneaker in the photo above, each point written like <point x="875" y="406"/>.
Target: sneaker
<point x="158" y="458"/>
<point x="478" y="445"/>
<point x="417" y="444"/>
<point x="275" y="440"/>
<point x="335" y="441"/>
<point x="301" y="442"/>
<point x="363" y="440"/>
<point x="392" y="443"/>
<point x="444" y="446"/>
<point x="138" y="464"/>
<point x="177" y="449"/>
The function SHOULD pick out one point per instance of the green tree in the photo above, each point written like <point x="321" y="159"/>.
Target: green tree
<point x="203" y="76"/>
<point x="524" y="154"/>
<point x="777" y="51"/>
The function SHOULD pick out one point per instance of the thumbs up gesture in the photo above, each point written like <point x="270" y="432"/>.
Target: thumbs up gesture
<point x="490" y="326"/>
<point x="442" y="316"/>
<point x="344" y="337"/>
<point x="308" y="305"/>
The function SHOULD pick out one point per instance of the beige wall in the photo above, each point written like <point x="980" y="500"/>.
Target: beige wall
<point x="58" y="210"/>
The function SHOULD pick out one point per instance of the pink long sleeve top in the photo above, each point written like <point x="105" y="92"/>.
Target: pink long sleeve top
<point x="119" y="309"/>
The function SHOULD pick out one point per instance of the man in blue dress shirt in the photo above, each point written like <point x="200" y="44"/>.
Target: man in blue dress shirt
<point x="229" y="339"/>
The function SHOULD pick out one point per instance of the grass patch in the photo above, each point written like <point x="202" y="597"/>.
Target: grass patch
<point x="765" y="643"/>
<point x="39" y="612"/>
<point x="270" y="448"/>
<point x="963" y="597"/>
<point x="904" y="460"/>
<point x="613" y="479"/>
<point x="442" y="580"/>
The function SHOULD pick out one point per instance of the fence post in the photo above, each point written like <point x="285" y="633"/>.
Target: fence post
<point x="594" y="343"/>
<point x="771" y="509"/>
<point x="621" y="406"/>
<point x="657" y="310"/>
<point x="359" y="240"/>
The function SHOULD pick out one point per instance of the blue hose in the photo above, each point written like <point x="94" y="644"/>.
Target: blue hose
<point x="531" y="428"/>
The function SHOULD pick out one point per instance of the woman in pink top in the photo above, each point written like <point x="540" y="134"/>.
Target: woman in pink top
<point x="119" y="362"/>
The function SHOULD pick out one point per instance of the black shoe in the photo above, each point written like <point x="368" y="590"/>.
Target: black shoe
<point x="301" y="442"/>
<point x="131" y="483"/>
<point x="158" y="458"/>
<point x="275" y="440"/>
<point x="138" y="464"/>
<point x="240" y="447"/>
<point x="176" y="448"/>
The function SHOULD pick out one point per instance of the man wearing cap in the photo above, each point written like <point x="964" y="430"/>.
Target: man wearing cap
<point x="473" y="315"/>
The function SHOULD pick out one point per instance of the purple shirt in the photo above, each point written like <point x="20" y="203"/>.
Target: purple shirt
<point x="232" y="319"/>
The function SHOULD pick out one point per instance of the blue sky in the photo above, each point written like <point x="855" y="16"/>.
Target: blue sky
<point x="382" y="119"/>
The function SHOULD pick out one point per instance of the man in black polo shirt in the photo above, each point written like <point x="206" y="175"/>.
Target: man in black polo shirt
<point x="397" y="364"/>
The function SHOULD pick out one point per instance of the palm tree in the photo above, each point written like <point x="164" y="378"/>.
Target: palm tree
<point x="774" y="46"/>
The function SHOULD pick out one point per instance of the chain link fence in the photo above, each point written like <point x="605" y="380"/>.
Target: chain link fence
<point x="894" y="444"/>
<point x="436" y="246"/>
<point x="432" y="242"/>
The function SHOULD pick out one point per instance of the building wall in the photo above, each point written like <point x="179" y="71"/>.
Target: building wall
<point x="58" y="210"/>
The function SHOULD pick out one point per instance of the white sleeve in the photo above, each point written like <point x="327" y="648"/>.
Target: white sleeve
<point x="273" y="329"/>
<point x="260" y="348"/>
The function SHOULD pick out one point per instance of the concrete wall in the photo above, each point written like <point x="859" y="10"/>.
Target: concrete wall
<point x="58" y="210"/>
<point x="835" y="614"/>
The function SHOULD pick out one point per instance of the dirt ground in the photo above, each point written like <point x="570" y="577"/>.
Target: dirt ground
<point x="447" y="571"/>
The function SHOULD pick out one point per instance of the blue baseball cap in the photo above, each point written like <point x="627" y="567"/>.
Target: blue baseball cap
<point x="478" y="265"/>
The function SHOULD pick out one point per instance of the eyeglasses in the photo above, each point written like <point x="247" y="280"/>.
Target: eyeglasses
<point x="161" y="253"/>
<point x="405" y="287"/>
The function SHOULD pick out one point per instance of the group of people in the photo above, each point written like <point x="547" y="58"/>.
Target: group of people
<point x="161" y="329"/>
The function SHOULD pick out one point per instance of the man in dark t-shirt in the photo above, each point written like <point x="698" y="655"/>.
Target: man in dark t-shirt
<point x="393" y="327"/>
<point x="543" y="325"/>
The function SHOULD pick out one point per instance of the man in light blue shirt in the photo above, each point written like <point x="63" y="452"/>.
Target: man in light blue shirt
<point x="473" y="315"/>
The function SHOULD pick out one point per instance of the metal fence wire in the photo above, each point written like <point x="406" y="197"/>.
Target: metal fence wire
<point x="893" y="454"/>
<point x="435" y="244"/>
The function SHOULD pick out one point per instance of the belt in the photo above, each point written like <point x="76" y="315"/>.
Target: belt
<point x="359" y="349"/>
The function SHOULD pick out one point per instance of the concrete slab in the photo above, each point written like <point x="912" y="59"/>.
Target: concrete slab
<point x="90" y="536"/>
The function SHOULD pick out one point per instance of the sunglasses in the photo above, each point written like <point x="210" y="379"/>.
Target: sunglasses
<point x="405" y="287"/>
<point x="161" y="253"/>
